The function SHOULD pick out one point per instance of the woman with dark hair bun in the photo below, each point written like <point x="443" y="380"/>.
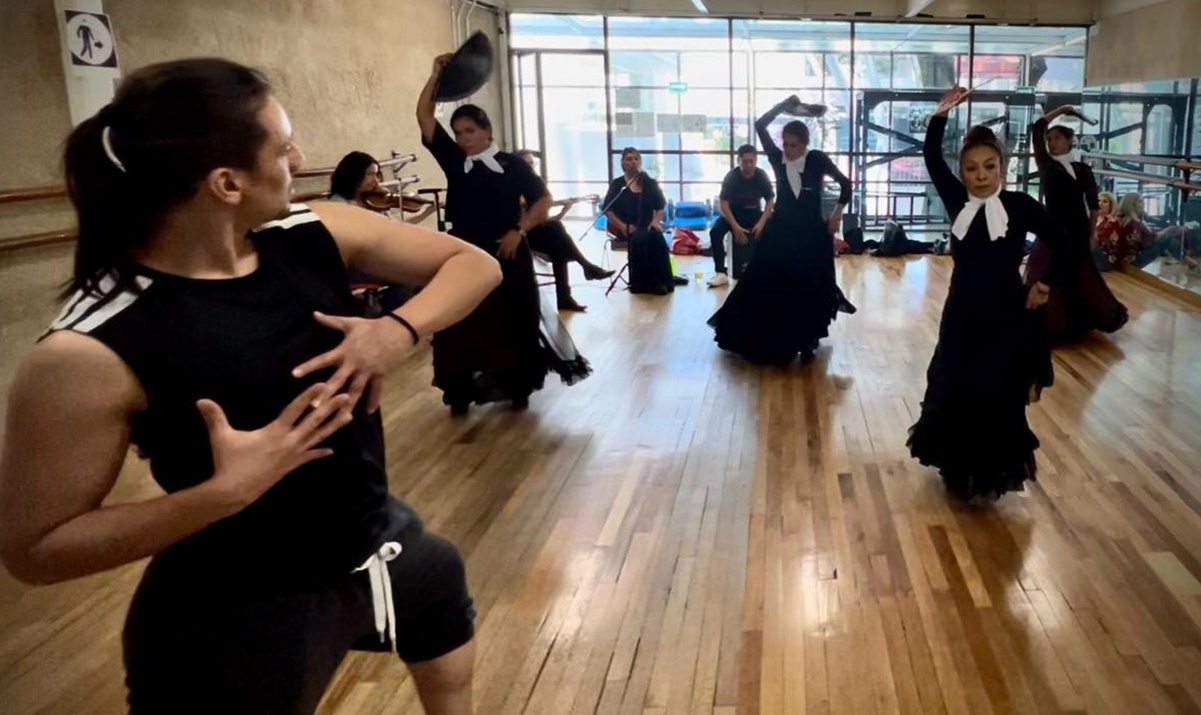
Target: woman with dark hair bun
<point x="210" y="324"/>
<point x="786" y="300"/>
<point x="1083" y="301"/>
<point x="992" y="357"/>
<point x="506" y="347"/>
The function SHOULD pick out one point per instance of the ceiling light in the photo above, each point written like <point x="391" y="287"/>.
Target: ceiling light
<point x="700" y="6"/>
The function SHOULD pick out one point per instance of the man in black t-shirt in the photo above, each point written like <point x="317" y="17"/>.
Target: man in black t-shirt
<point x="741" y="213"/>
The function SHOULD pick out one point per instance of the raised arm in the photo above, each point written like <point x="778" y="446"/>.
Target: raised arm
<point x="425" y="103"/>
<point x="1038" y="142"/>
<point x="774" y="155"/>
<point x="949" y="187"/>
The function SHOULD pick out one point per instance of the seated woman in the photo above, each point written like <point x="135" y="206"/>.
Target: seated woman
<point x="636" y="215"/>
<point x="356" y="180"/>
<point x="551" y="239"/>
<point x="1124" y="239"/>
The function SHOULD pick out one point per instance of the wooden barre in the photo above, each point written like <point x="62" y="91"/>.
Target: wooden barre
<point x="12" y="196"/>
<point x="34" y="240"/>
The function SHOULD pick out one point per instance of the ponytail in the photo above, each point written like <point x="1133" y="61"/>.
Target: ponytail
<point x="168" y="126"/>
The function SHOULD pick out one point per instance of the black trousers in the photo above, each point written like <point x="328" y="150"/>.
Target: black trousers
<point x="742" y="253"/>
<point x="552" y="240"/>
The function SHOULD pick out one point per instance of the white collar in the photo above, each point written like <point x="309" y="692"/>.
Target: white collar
<point x="486" y="157"/>
<point x="1066" y="161"/>
<point x="994" y="214"/>
<point x="793" y="168"/>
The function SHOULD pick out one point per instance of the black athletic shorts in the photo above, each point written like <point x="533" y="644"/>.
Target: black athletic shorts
<point x="192" y="650"/>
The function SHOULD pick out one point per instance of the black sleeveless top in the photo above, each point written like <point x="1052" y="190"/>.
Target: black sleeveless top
<point x="236" y="341"/>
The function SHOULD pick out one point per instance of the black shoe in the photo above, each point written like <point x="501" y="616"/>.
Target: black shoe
<point x="596" y="273"/>
<point x="520" y="404"/>
<point x="458" y="408"/>
<point x="679" y="280"/>
<point x="571" y="306"/>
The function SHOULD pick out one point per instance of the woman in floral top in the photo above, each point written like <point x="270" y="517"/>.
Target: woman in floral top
<point x="1124" y="239"/>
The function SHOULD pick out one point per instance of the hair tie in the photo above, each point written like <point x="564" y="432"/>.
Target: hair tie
<point x="108" y="149"/>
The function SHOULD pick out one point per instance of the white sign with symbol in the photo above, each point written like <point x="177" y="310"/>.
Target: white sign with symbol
<point x="90" y="39"/>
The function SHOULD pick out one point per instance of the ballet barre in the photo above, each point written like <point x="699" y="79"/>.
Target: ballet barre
<point x="1149" y="178"/>
<point x="1182" y="164"/>
<point x="396" y="162"/>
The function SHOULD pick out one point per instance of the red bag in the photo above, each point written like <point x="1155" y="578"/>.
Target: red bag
<point x="685" y="243"/>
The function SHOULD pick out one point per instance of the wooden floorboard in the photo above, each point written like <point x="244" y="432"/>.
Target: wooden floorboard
<point x="686" y="533"/>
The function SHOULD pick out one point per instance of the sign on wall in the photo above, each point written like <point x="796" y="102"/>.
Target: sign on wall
<point x="90" y="39"/>
<point x="89" y="53"/>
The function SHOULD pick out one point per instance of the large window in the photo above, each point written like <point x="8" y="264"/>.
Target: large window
<point x="686" y="93"/>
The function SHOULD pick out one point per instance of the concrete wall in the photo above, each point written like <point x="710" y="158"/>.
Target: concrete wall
<point x="347" y="72"/>
<point x="1155" y="41"/>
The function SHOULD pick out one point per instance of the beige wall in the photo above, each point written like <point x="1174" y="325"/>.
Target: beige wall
<point x="1158" y="41"/>
<point x="348" y="72"/>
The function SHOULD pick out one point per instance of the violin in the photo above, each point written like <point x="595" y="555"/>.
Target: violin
<point x="382" y="200"/>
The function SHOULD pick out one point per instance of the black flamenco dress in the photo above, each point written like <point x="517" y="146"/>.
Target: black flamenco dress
<point x="1083" y="301"/>
<point x="788" y="296"/>
<point x="992" y="357"/>
<point x="649" y="257"/>
<point x="505" y="347"/>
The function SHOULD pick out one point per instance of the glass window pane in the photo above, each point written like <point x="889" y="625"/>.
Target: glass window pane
<point x="568" y="32"/>
<point x="643" y="119"/>
<point x="706" y="110"/>
<point x="643" y="69"/>
<point x="575" y="134"/>
<point x="706" y="69"/>
<point x="562" y="69"/>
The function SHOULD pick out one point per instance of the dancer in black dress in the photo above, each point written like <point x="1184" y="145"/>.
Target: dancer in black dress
<point x="1082" y="301"/>
<point x="788" y="297"/>
<point x="503" y="350"/>
<point x="635" y="215"/>
<point x="992" y="357"/>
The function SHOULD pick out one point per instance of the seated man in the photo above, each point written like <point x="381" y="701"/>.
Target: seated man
<point x="741" y="191"/>
<point x="552" y="240"/>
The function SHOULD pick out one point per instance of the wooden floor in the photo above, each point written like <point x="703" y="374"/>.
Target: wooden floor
<point x="685" y="533"/>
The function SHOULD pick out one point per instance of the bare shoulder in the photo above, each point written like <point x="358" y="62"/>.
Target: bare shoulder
<point x="72" y="368"/>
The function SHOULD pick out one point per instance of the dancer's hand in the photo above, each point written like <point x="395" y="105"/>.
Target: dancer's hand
<point x="509" y="245"/>
<point x="657" y="225"/>
<point x="369" y="349"/>
<point x="740" y="235"/>
<point x="248" y="463"/>
<point x="952" y="98"/>
<point x="833" y="224"/>
<point x="1038" y="296"/>
<point x="440" y="63"/>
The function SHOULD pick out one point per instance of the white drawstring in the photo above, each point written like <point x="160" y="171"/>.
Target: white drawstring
<point x="376" y="567"/>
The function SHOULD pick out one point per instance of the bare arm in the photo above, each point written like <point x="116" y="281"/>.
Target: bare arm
<point x="726" y="213"/>
<point x="456" y="275"/>
<point x="70" y="410"/>
<point x="69" y="414"/>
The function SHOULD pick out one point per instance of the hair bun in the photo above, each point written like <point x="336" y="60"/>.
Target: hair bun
<point x="980" y="134"/>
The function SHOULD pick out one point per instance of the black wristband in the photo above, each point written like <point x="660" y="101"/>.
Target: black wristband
<point x="407" y="325"/>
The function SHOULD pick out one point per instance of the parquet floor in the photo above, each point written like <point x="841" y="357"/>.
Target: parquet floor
<point x="685" y="533"/>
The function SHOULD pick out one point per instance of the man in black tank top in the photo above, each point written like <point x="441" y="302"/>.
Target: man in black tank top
<point x="229" y="358"/>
